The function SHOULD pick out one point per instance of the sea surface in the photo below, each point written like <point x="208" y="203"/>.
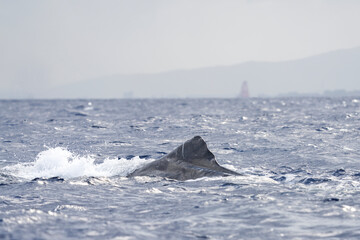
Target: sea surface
<point x="63" y="167"/>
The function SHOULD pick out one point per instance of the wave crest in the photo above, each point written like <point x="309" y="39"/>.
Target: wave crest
<point x="59" y="162"/>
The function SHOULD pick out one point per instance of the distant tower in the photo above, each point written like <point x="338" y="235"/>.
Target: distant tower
<point x="244" y="90"/>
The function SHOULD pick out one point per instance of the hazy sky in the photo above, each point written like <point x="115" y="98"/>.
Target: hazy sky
<point x="45" y="43"/>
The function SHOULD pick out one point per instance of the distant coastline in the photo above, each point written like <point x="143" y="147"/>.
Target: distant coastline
<point x="333" y="93"/>
<point x="334" y="73"/>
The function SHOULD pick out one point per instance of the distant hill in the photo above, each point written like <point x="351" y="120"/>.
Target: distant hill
<point x="338" y="70"/>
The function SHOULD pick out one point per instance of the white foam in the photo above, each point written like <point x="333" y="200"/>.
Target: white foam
<point x="59" y="162"/>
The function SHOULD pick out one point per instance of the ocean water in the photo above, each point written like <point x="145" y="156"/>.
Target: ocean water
<point x="63" y="167"/>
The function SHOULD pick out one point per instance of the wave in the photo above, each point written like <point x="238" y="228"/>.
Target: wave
<point x="59" y="162"/>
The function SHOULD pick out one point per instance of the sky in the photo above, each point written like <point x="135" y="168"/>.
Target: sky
<point x="47" y="43"/>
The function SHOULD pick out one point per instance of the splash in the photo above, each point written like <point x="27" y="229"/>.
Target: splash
<point x="59" y="162"/>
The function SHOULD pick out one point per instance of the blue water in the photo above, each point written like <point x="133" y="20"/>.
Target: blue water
<point x="63" y="167"/>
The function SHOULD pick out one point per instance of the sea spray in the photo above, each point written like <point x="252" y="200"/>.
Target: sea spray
<point x="60" y="162"/>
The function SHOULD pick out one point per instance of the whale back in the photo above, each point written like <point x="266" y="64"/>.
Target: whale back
<point x="190" y="160"/>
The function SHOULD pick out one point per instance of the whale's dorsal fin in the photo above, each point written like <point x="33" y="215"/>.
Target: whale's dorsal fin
<point x="194" y="151"/>
<point x="190" y="160"/>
